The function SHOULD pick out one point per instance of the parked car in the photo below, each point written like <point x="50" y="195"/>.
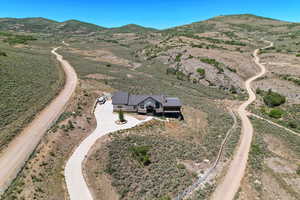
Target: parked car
<point x="101" y="100"/>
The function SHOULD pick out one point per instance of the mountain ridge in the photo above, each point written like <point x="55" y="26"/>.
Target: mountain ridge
<point x="45" y="25"/>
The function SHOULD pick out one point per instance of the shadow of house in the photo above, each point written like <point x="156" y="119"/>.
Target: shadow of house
<point x="146" y="104"/>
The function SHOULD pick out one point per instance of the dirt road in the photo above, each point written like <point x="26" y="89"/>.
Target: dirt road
<point x="19" y="150"/>
<point x="231" y="182"/>
<point x="76" y="185"/>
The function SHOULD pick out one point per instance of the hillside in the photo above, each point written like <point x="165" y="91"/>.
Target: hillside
<point x="205" y="64"/>
<point x="73" y="27"/>
<point x="132" y="28"/>
<point x="42" y="25"/>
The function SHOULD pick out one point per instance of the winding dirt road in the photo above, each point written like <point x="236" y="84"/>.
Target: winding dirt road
<point x="231" y="182"/>
<point x="18" y="151"/>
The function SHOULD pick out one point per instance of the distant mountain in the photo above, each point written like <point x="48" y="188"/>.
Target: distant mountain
<point x="75" y="26"/>
<point x="132" y="28"/>
<point x="42" y="25"/>
<point x="244" y="22"/>
<point x="27" y="24"/>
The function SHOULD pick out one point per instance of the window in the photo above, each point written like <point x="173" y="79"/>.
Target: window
<point x="142" y="106"/>
<point x="157" y="104"/>
<point x="119" y="106"/>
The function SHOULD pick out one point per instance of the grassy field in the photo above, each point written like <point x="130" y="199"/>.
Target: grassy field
<point x="29" y="79"/>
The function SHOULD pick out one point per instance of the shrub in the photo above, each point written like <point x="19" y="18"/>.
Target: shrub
<point x="201" y="71"/>
<point x="276" y="113"/>
<point x="70" y="125"/>
<point x="231" y="69"/>
<point x="273" y="99"/>
<point x="298" y="55"/>
<point x="140" y="153"/>
<point x="178" y="58"/>
<point x="233" y="90"/>
<point x="171" y="71"/>
<point x="190" y="56"/>
<point x="258" y="91"/>
<point x="121" y="116"/>
<point x="2" y="53"/>
<point x="180" y="166"/>
<point x="298" y="169"/>
<point x="181" y="76"/>
<point x="292" y="124"/>
<point x="165" y="198"/>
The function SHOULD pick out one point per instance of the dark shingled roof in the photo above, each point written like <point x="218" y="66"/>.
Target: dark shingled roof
<point x="136" y="99"/>
<point x="123" y="98"/>
<point x="120" y="98"/>
<point x="172" y="102"/>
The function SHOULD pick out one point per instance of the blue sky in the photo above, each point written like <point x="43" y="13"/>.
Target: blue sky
<point x="151" y="13"/>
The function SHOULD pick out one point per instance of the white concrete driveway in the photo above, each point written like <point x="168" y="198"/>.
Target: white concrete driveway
<point x="76" y="185"/>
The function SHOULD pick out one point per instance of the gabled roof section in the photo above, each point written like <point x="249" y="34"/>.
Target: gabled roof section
<point x="123" y="98"/>
<point x="136" y="99"/>
<point x="120" y="98"/>
<point x="172" y="102"/>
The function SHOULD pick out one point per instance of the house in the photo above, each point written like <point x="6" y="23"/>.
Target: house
<point x="146" y="104"/>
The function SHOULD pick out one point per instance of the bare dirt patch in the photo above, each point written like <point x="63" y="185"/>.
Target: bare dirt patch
<point x="273" y="190"/>
<point x="280" y="166"/>
<point x="279" y="147"/>
<point x="282" y="63"/>
<point x="193" y="128"/>
<point x="99" y="76"/>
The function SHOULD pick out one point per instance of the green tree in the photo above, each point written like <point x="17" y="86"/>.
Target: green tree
<point x="276" y="113"/>
<point x="121" y="116"/>
<point x="201" y="71"/>
<point x="273" y="99"/>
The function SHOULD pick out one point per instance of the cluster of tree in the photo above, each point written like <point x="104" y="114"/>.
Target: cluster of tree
<point x="19" y="39"/>
<point x="273" y="99"/>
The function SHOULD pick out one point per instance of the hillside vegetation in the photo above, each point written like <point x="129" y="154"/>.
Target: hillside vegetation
<point x="29" y="79"/>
